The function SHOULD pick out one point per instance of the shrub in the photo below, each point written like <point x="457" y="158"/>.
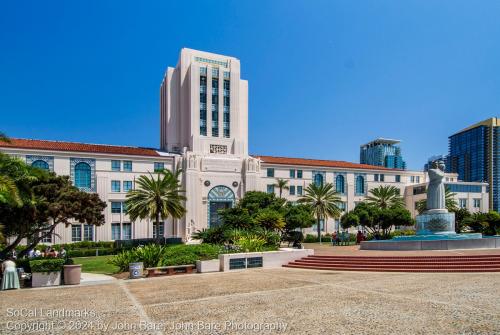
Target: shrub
<point x="251" y="243"/>
<point x="213" y="235"/>
<point x="90" y="252"/>
<point x="150" y="255"/>
<point x="123" y="259"/>
<point x="47" y="265"/>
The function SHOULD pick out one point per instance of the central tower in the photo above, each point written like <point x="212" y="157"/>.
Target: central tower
<point x="204" y="105"/>
<point x="204" y="119"/>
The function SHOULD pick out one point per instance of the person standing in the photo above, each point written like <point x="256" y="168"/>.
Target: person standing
<point x="10" y="279"/>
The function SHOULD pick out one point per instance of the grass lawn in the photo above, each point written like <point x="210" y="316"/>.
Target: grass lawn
<point x="96" y="264"/>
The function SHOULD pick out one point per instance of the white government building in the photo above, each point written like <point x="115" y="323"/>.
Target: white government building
<point x="204" y="131"/>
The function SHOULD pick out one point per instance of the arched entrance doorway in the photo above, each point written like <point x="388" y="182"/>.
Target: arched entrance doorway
<point x="219" y="197"/>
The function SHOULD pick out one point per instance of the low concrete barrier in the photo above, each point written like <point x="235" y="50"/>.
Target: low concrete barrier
<point x="266" y="259"/>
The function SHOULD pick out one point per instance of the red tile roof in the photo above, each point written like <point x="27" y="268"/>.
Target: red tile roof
<point x="318" y="162"/>
<point x="21" y="143"/>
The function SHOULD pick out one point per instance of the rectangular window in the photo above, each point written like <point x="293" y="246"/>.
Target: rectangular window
<point x="292" y="190"/>
<point x="116" y="207"/>
<point x="203" y="105"/>
<point x="417" y="179"/>
<point x="382" y="177"/>
<point x="314" y="227"/>
<point x="299" y="190"/>
<point x="412" y="179"/>
<point x="270" y="188"/>
<point x="127" y="166"/>
<point x="292" y="173"/>
<point x="342" y="205"/>
<point x="115" y="231"/>
<point x="158" y="230"/>
<point x="76" y="232"/>
<point x="124" y="207"/>
<point x="477" y="203"/>
<point x="127" y="185"/>
<point x="270" y="172"/>
<point x="115" y="186"/>
<point x="159" y="166"/>
<point x="88" y="232"/>
<point x="115" y="165"/>
<point x="375" y="177"/>
<point x="462" y="203"/>
<point x="47" y="239"/>
<point x="127" y="231"/>
<point x="299" y="174"/>
<point x="398" y="178"/>
<point x="215" y="107"/>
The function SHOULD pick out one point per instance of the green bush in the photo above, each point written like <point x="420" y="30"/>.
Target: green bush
<point x="90" y="252"/>
<point x="47" y="265"/>
<point x="251" y="243"/>
<point x="123" y="259"/>
<point x="150" y="254"/>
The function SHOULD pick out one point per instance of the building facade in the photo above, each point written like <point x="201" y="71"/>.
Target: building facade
<point x="382" y="152"/>
<point x="474" y="155"/>
<point x="204" y="131"/>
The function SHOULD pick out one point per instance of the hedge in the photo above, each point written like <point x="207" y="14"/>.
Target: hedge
<point x="47" y="265"/>
<point x="91" y="252"/>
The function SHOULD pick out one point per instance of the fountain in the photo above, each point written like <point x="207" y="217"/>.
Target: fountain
<point x="435" y="227"/>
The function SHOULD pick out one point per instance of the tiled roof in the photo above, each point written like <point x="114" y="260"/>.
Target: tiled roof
<point x="77" y="147"/>
<point x="318" y="162"/>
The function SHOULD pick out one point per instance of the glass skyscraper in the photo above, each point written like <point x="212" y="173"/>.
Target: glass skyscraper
<point x="382" y="152"/>
<point x="474" y="154"/>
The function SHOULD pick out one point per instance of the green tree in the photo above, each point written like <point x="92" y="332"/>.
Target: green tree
<point x="281" y="184"/>
<point x="254" y="201"/>
<point x="460" y="215"/>
<point x="156" y="197"/>
<point x="237" y="218"/>
<point x="47" y="201"/>
<point x="377" y="220"/>
<point x="385" y="197"/>
<point x="450" y="202"/>
<point x="298" y="216"/>
<point x="4" y="138"/>
<point x="270" y="219"/>
<point x="485" y="223"/>
<point x="323" y="201"/>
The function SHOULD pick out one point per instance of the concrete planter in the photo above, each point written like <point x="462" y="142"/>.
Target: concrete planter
<point x="43" y="279"/>
<point x="266" y="259"/>
<point x="212" y="265"/>
<point x="72" y="274"/>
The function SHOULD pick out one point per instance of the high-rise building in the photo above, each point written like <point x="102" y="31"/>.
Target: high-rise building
<point x="474" y="155"/>
<point x="382" y="152"/>
<point x="432" y="159"/>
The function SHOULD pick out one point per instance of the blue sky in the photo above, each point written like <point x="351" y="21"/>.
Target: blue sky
<point x="324" y="76"/>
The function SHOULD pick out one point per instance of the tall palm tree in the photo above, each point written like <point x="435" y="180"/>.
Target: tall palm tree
<point x="449" y="198"/>
<point x="324" y="202"/>
<point x="385" y="197"/>
<point x="156" y="197"/>
<point x="282" y="184"/>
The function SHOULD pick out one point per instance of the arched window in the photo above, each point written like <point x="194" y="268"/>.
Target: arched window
<point x="40" y="164"/>
<point x="340" y="184"/>
<point x="219" y="198"/>
<point x="318" y="179"/>
<point x="83" y="175"/>
<point x="360" y="185"/>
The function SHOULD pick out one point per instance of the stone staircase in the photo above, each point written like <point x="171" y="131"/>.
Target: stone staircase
<point x="469" y="263"/>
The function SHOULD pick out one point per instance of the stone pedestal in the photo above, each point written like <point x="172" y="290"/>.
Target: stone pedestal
<point x="436" y="223"/>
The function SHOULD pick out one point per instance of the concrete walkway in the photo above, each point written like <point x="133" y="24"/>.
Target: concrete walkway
<point x="277" y="301"/>
<point x="95" y="278"/>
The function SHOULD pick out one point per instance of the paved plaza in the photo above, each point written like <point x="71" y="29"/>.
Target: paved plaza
<point x="286" y="301"/>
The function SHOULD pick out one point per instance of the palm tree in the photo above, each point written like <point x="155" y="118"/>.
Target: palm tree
<point x="324" y="202"/>
<point x="282" y="184"/>
<point x="449" y="198"/>
<point x="385" y="197"/>
<point x="156" y="197"/>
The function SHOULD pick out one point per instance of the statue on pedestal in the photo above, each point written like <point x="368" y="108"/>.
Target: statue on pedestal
<point x="436" y="198"/>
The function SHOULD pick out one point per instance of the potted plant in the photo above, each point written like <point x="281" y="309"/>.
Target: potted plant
<point x="46" y="272"/>
<point x="72" y="272"/>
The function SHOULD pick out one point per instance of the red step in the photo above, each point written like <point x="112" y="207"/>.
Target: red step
<point x="468" y="263"/>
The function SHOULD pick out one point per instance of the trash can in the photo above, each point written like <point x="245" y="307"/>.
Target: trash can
<point x="136" y="270"/>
